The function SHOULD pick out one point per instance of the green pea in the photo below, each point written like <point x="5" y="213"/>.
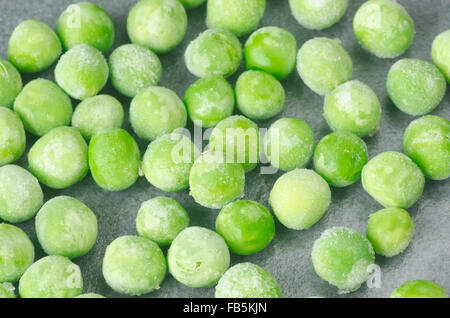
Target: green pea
<point x="318" y="15"/>
<point x="90" y="295"/>
<point x="10" y="83"/>
<point x="42" y="106"/>
<point x="7" y="290"/>
<point x="190" y="4"/>
<point x="440" y="53"/>
<point x="12" y="136"/>
<point x="419" y="289"/>
<point x="33" y="46"/>
<point x="114" y="160"/>
<point x="59" y="159"/>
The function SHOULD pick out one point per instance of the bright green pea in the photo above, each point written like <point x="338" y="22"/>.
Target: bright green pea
<point x="90" y="295"/>
<point x="190" y="4"/>
<point x="318" y="15"/>
<point x="440" y="53"/>
<point x="198" y="257"/>
<point x="339" y="158"/>
<point x="247" y="226"/>
<point x="10" y="83"/>
<point x="419" y="289"/>
<point x="134" y="265"/>
<point x="42" y="106"/>
<point x="33" y="46"/>
<point x="259" y="95"/>
<point x="59" y="159"/>
<point x="7" y="290"/>
<point x="247" y="280"/>
<point x="12" y="136"/>
<point x="114" y="160"/>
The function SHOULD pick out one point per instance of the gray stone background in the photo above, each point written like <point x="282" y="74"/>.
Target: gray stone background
<point x="288" y="256"/>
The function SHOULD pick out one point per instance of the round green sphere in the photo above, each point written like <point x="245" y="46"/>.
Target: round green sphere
<point x="342" y="257"/>
<point x="134" y="265"/>
<point x="393" y="180"/>
<point x="339" y="158"/>
<point x="90" y="296"/>
<point x="159" y="25"/>
<point x="33" y="46"/>
<point x="300" y="198"/>
<point x="289" y="144"/>
<point x="198" y="257"/>
<point x="51" y="277"/>
<point x="209" y="100"/>
<point x="247" y="226"/>
<point x="247" y="280"/>
<point x="7" y="290"/>
<point x="440" y="53"/>
<point x="114" y="160"/>
<point x="427" y="143"/>
<point x="16" y="253"/>
<point x="161" y="219"/>
<point x="66" y="227"/>
<point x="416" y="87"/>
<point x="157" y="111"/>
<point x="259" y="95"/>
<point x="237" y="16"/>
<point x="133" y="68"/>
<point x="12" y="136"/>
<point x="390" y="231"/>
<point x="82" y="72"/>
<point x="10" y="83"/>
<point x="323" y="64"/>
<point x="16" y="182"/>
<point x="419" y="289"/>
<point x="59" y="159"/>
<point x="98" y="114"/>
<point x="214" y="52"/>
<point x="272" y="50"/>
<point x="384" y="28"/>
<point x="86" y="23"/>
<point x="190" y="4"/>
<point x="214" y="182"/>
<point x="42" y="106"/>
<point x="353" y="107"/>
<point x="168" y="162"/>
<point x="318" y="15"/>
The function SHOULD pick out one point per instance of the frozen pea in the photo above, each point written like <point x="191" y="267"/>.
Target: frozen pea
<point x="12" y="136"/>
<point x="343" y="257"/>
<point x="209" y="100"/>
<point x="390" y="231"/>
<point x="238" y="16"/>
<point x="134" y="265"/>
<point x="189" y="4"/>
<point x="98" y="114"/>
<point x="259" y="95"/>
<point x="82" y="72"/>
<point x="239" y="139"/>
<point x="247" y="226"/>
<point x="214" y="52"/>
<point x="427" y="143"/>
<point x="416" y="87"/>
<point x="300" y="198"/>
<point x="16" y="253"/>
<point x="114" y="160"/>
<point x="168" y="161"/>
<point x="51" y="277"/>
<point x="90" y="296"/>
<point x="16" y="182"/>
<point x="59" y="159"/>
<point x="133" y="68"/>
<point x="159" y="25"/>
<point x="161" y="219"/>
<point x="273" y="50"/>
<point x="393" y="180"/>
<point x="318" y="15"/>
<point x="10" y="83"/>
<point x="323" y="64"/>
<point x="289" y="144"/>
<point x="33" y="46"/>
<point x="42" y="106"/>
<point x="247" y="280"/>
<point x="198" y="257"/>
<point x="419" y="289"/>
<point x="339" y="158"/>
<point x="440" y="53"/>
<point x="384" y="28"/>
<point x="7" y="290"/>
<point x="353" y="107"/>
<point x="214" y="182"/>
<point x="66" y="227"/>
<point x="157" y="111"/>
<point x="86" y="23"/>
